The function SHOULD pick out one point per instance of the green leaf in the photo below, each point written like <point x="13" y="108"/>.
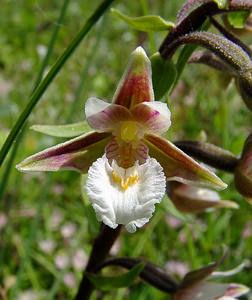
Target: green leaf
<point x="145" y="23"/>
<point x="183" y="58"/>
<point x="119" y="281"/>
<point x="163" y="75"/>
<point x="64" y="131"/>
<point x="238" y="19"/>
<point x="222" y="3"/>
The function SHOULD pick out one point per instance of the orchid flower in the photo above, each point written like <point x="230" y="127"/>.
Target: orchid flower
<point x="199" y="284"/>
<point x="127" y="160"/>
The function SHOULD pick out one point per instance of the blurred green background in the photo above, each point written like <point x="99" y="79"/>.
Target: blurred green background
<point x="46" y="227"/>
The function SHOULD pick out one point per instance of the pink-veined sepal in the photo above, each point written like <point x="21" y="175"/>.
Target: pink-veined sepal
<point x="178" y="166"/>
<point x="135" y="85"/>
<point x="77" y="154"/>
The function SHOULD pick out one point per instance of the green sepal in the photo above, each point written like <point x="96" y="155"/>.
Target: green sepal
<point x="107" y="283"/>
<point x="64" y="131"/>
<point x="145" y="23"/>
<point x="164" y="74"/>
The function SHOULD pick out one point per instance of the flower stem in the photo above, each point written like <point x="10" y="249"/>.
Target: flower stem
<point x="102" y="244"/>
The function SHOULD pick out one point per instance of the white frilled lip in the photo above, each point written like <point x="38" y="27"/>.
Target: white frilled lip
<point x="152" y="117"/>
<point x="132" y="207"/>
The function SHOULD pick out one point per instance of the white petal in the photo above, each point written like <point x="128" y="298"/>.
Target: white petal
<point x="103" y="116"/>
<point x="154" y="116"/>
<point x="94" y="105"/>
<point x="132" y="206"/>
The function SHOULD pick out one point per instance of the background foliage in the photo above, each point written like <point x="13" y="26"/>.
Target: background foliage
<point x="46" y="227"/>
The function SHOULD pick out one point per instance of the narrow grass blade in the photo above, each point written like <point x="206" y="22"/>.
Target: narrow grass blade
<point x="8" y="168"/>
<point x="50" y="76"/>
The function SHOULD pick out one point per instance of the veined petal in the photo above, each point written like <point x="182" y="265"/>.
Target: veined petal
<point x="77" y="154"/>
<point x="178" y="166"/>
<point x="155" y="116"/>
<point x="125" y="196"/>
<point x="126" y="154"/>
<point x="136" y="84"/>
<point x="103" y="116"/>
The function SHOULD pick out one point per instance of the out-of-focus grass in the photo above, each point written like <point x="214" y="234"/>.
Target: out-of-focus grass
<point x="49" y="229"/>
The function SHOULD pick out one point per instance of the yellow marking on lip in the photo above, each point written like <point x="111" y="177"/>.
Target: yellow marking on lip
<point x="128" y="131"/>
<point x="124" y="183"/>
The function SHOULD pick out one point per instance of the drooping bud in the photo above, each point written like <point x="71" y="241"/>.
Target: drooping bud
<point x="191" y="199"/>
<point x="209" y="154"/>
<point x="243" y="172"/>
<point x="196" y="285"/>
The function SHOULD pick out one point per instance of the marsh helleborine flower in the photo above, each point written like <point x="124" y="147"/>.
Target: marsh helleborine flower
<point x="127" y="161"/>
<point x="200" y="285"/>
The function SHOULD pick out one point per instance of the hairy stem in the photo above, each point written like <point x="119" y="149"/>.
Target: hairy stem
<point x="231" y="37"/>
<point x="225" y="49"/>
<point x="210" y="154"/>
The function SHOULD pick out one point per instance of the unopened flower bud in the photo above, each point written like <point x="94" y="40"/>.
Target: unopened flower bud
<point x="196" y="285"/>
<point x="191" y="199"/>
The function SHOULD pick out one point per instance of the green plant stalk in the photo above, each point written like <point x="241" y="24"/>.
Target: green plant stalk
<point x="51" y="44"/>
<point x="33" y="100"/>
<point x="26" y="263"/>
<point x="6" y="173"/>
<point x="184" y="56"/>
